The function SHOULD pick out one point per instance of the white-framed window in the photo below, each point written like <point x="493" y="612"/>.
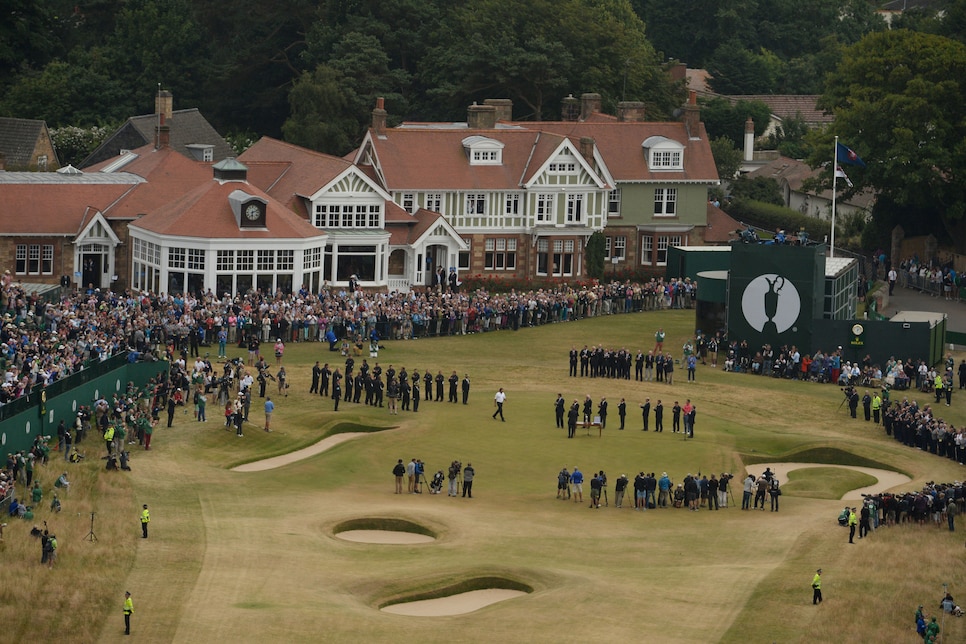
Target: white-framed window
<point x="543" y="257"/>
<point x="665" y="159"/>
<point x="196" y="259"/>
<point x="176" y="258"/>
<point x="563" y="257"/>
<point x="647" y="249"/>
<point x="607" y="245"/>
<point x="434" y="202"/>
<point x="285" y="260"/>
<point x="409" y="202"/>
<point x="485" y="156"/>
<point x="663" y="243"/>
<point x="620" y="247"/>
<point x="476" y="204"/>
<point x="562" y="167"/>
<point x="225" y="260"/>
<point x="575" y="208"/>
<point x="34" y="259"/>
<point x="42" y="162"/>
<point x="245" y="260"/>
<point x="614" y="203"/>
<point x="512" y="203"/>
<point x="313" y="257"/>
<point x="465" y="255"/>
<point x="266" y="260"/>
<point x="545" y="208"/>
<point x="500" y="254"/>
<point x="665" y="202"/>
<point x="208" y="154"/>
<point x="338" y="216"/>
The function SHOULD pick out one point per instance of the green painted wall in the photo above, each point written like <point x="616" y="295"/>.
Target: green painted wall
<point x="18" y="432"/>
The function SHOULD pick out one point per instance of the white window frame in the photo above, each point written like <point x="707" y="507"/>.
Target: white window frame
<point x="475" y="204"/>
<point x="647" y="250"/>
<point x="176" y="257"/>
<point x="512" y="204"/>
<point x="434" y="202"/>
<point x="663" y="243"/>
<point x="614" y="203"/>
<point x="545" y="209"/>
<point x="575" y="208"/>
<point x="196" y="259"/>
<point x="500" y="254"/>
<point x="465" y="256"/>
<point x="665" y="202"/>
<point x="225" y="261"/>
<point x="620" y="247"/>
<point x="408" y="202"/>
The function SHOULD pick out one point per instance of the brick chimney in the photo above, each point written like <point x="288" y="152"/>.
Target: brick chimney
<point x="749" y="140"/>
<point x="379" y="115"/>
<point x="570" y="109"/>
<point x="630" y="111"/>
<point x="587" y="149"/>
<point x="589" y="104"/>
<point x="164" y="104"/>
<point x="481" y="117"/>
<point x="504" y="108"/>
<point x="163" y="139"/>
<point x="678" y="71"/>
<point x="692" y="115"/>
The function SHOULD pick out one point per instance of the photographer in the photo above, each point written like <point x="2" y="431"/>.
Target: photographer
<point x="453" y="476"/>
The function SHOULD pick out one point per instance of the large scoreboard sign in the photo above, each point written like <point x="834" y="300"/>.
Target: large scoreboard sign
<point x="774" y="294"/>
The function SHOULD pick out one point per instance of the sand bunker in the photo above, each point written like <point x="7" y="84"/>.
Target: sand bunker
<point x="887" y="479"/>
<point x="384" y="537"/>
<point x="285" y="459"/>
<point x="454" y="604"/>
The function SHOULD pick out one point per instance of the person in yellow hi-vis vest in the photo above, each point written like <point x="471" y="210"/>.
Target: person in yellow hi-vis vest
<point x="817" y="587"/>
<point x="876" y="408"/>
<point x="109" y="439"/>
<point x="145" y="519"/>
<point x="128" y="610"/>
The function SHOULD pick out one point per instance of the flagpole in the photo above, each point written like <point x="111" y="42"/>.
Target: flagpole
<point x="835" y="165"/>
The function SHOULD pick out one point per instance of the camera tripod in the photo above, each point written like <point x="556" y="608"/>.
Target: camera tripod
<point x="90" y="535"/>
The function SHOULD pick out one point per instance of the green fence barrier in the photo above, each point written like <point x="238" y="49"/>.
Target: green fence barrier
<point x="22" y="425"/>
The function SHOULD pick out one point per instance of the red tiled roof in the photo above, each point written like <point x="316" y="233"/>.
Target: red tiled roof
<point x="408" y="230"/>
<point x="205" y="212"/>
<point x="721" y="226"/>
<point x="166" y="172"/>
<point x="619" y="144"/>
<point x="55" y="209"/>
<point x="786" y="106"/>
<point x="285" y="171"/>
<point x="434" y="159"/>
<point x="794" y="173"/>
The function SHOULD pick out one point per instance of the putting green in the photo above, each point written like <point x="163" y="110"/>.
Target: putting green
<point x="887" y="479"/>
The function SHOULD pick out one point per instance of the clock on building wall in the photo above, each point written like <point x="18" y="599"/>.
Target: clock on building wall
<point x="253" y="214"/>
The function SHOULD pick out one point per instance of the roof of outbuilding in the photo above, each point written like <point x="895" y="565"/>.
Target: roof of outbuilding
<point x="18" y="140"/>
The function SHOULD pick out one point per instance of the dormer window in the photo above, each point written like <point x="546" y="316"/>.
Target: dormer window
<point x="563" y="165"/>
<point x="663" y="153"/>
<point x="481" y="150"/>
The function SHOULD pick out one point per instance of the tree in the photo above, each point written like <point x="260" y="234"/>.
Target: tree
<point x="595" y="255"/>
<point x="762" y="189"/>
<point x="721" y="118"/>
<point x="897" y="100"/>
<point x="727" y="158"/>
<point x="735" y="69"/>
<point x="74" y="144"/>
<point x="320" y="117"/>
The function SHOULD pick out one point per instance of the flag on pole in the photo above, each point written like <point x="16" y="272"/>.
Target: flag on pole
<point x="840" y="173"/>
<point x="845" y="154"/>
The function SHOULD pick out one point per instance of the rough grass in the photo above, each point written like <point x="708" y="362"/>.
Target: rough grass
<point x="251" y="557"/>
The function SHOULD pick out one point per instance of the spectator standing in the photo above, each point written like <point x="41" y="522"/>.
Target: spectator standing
<point x="398" y="472"/>
<point x="468" y="475"/>
<point x="269" y="408"/>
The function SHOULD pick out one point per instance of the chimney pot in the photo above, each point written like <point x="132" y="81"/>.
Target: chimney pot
<point x="504" y="108"/>
<point x="692" y="115"/>
<point x="749" y="148"/>
<point x="481" y="117"/>
<point x="570" y="109"/>
<point x="589" y="104"/>
<point x="164" y="104"/>
<point x="630" y="111"/>
<point x="379" y="115"/>
<point x="587" y="149"/>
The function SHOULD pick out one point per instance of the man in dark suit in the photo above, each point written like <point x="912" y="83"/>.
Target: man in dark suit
<point x="602" y="412"/>
<point x="316" y="375"/>
<point x="466" y="388"/>
<point x="558" y="410"/>
<point x="453" y="382"/>
<point x="659" y="417"/>
<point x="646" y="412"/>
<point x="622" y="411"/>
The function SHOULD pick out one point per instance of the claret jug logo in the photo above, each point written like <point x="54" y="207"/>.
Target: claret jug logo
<point x="771" y="304"/>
